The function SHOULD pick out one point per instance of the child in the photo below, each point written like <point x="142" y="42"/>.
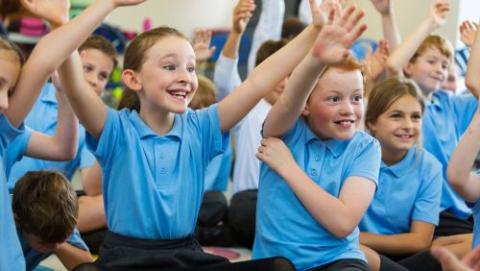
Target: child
<point x="404" y="212"/>
<point x="426" y="59"/>
<point x="465" y="183"/>
<point x="315" y="187"/>
<point x="45" y="209"/>
<point x="166" y="147"/>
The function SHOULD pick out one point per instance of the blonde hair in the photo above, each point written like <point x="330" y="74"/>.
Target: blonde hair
<point x="435" y="41"/>
<point x="205" y="95"/>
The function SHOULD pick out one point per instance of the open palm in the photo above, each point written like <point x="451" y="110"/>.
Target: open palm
<point x="338" y="35"/>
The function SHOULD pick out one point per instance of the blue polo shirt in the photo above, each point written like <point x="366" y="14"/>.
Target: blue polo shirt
<point x="33" y="257"/>
<point x="476" y="224"/>
<point x="445" y="119"/>
<point x="283" y="226"/>
<point x="218" y="171"/>
<point x="409" y="190"/>
<point x="153" y="185"/>
<point x="43" y="118"/>
<point x="11" y="257"/>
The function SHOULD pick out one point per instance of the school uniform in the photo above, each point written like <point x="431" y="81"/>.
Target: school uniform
<point x="33" y="257"/>
<point x="284" y="227"/>
<point x="476" y="224"/>
<point x="152" y="184"/>
<point x="409" y="190"/>
<point x="445" y="119"/>
<point x="11" y="257"/>
<point x="43" y="118"/>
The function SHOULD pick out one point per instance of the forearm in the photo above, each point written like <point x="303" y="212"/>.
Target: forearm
<point x="292" y="102"/>
<point x="325" y="208"/>
<point x="264" y="78"/>
<point x="396" y="244"/>
<point x="71" y="256"/>
<point x="390" y="30"/>
<point x="404" y="52"/>
<point x="66" y="134"/>
<point x="462" y="160"/>
<point x="230" y="50"/>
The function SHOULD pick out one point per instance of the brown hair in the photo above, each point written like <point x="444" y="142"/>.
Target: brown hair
<point x="9" y="7"/>
<point x="205" y="95"/>
<point x="385" y="93"/>
<point x="45" y="205"/>
<point x="435" y="41"/>
<point x="101" y="44"/>
<point x="135" y="57"/>
<point x="291" y="27"/>
<point x="267" y="49"/>
<point x="8" y="46"/>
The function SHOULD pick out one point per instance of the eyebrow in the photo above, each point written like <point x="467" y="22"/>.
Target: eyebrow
<point x="175" y="55"/>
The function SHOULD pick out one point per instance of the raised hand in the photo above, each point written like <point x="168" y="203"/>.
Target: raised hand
<point x="275" y="154"/>
<point x="241" y="15"/>
<point x="54" y="12"/>
<point x="468" y="30"/>
<point x="320" y="12"/>
<point x="382" y="6"/>
<point x="375" y="63"/>
<point x="336" y="37"/>
<point x="201" y="45"/>
<point x="438" y="13"/>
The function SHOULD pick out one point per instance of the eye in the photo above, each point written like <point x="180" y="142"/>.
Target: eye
<point x="191" y="69"/>
<point x="334" y="99"/>
<point x="169" y="67"/>
<point x="87" y="68"/>
<point x="444" y="66"/>
<point x="357" y="98"/>
<point x="417" y="117"/>
<point x="395" y="115"/>
<point x="431" y="61"/>
<point x="103" y="76"/>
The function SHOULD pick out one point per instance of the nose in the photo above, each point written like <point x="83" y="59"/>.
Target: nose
<point x="346" y="108"/>
<point x="184" y="76"/>
<point x="407" y="124"/>
<point x="3" y="100"/>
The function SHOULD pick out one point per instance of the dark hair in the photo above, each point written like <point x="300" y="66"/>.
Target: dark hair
<point x="45" y="205"/>
<point x="9" y="7"/>
<point x="8" y="46"/>
<point x="385" y="93"/>
<point x="135" y="57"/>
<point x="267" y="49"/>
<point x="101" y="44"/>
<point x="292" y="27"/>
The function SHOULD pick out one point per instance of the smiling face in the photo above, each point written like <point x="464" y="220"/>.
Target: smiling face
<point x="166" y="80"/>
<point x="429" y="70"/>
<point x="335" y="107"/>
<point x="398" y="128"/>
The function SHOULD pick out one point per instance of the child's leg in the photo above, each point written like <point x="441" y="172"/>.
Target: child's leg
<point x="344" y="265"/>
<point x="372" y="256"/>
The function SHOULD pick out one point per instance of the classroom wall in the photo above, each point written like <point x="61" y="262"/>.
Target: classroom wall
<point x="184" y="15"/>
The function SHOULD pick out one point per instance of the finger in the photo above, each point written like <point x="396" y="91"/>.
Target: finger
<point x="357" y="33"/>
<point x="473" y="257"/>
<point x="354" y="20"/>
<point x="346" y="16"/>
<point x="446" y="258"/>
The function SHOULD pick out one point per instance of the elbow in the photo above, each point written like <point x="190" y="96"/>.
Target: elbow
<point x="343" y="231"/>
<point x="472" y="85"/>
<point x="65" y="154"/>
<point x="455" y="178"/>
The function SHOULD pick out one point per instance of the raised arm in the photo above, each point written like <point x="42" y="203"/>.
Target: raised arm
<point x="64" y="143"/>
<point x="465" y="183"/>
<point x="402" y="54"/>
<point x="389" y="25"/>
<point x="331" y="47"/>
<point x="472" y="79"/>
<point x="226" y="75"/>
<point x="201" y="45"/>
<point x="468" y="31"/>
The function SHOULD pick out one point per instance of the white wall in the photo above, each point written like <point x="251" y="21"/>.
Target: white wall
<point x="184" y="15"/>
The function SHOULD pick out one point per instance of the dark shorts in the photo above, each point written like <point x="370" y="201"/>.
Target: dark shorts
<point x="344" y="265"/>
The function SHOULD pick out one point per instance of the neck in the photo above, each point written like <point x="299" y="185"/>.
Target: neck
<point x="159" y="121"/>
<point x="392" y="157"/>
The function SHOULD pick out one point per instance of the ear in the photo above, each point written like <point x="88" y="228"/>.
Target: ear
<point x="306" y="110"/>
<point x="408" y="69"/>
<point x="371" y="127"/>
<point x="132" y="80"/>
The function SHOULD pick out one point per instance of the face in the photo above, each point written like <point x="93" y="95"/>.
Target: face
<point x="398" y="128"/>
<point x="429" y="70"/>
<point x="38" y="245"/>
<point x="167" y="77"/>
<point x="451" y="83"/>
<point x="273" y="95"/>
<point x="335" y="106"/>
<point x="97" y="67"/>
<point x="9" y="72"/>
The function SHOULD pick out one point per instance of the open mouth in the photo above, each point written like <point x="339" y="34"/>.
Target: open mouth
<point x="345" y="123"/>
<point x="405" y="137"/>
<point x="178" y="94"/>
